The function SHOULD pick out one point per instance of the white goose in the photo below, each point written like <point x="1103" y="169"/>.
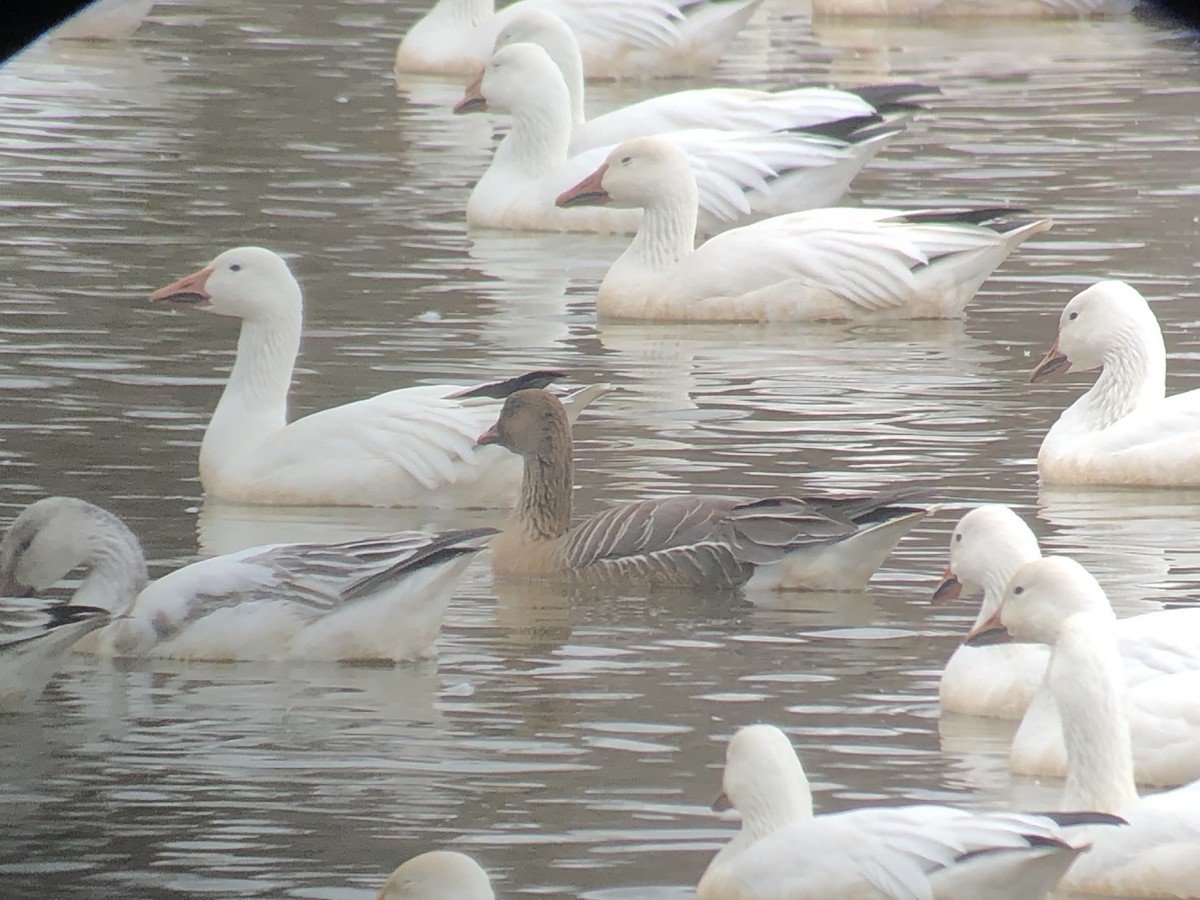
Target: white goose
<point x="989" y="544"/>
<point x="438" y="875"/>
<point x="34" y="636"/>
<point x="839" y="263"/>
<point x="1160" y="655"/>
<point x="1125" y="430"/>
<point x="910" y="852"/>
<point x="403" y="448"/>
<point x="618" y="38"/>
<point x="378" y="598"/>
<point x="1157" y="854"/>
<point x="723" y="108"/>
<point x="935" y="10"/>
<point x="742" y="175"/>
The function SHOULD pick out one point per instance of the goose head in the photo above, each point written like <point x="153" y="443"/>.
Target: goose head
<point x="1040" y="596"/>
<point x="764" y="780"/>
<point x="55" y="535"/>
<point x="247" y="283"/>
<point x="634" y="175"/>
<point x="1093" y="324"/>
<point x="436" y="875"/>
<point x="536" y="26"/>
<point x="532" y="423"/>
<point x="518" y="77"/>
<point x="989" y="543"/>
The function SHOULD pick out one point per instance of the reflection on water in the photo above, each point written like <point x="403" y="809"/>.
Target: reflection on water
<point x="583" y="727"/>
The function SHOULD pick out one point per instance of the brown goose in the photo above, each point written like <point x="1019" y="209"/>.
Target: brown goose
<point x="714" y="542"/>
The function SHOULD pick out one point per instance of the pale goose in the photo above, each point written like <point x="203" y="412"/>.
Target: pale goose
<point x="697" y="541"/>
<point x="618" y="38"/>
<point x="1159" y="653"/>
<point x="989" y="544"/>
<point x="1124" y="430"/>
<point x="840" y="263"/>
<point x="378" y="598"/>
<point x="408" y="447"/>
<point x="34" y="636"/>
<point x="438" y="875"/>
<point x="1157" y="854"/>
<point x="742" y="175"/>
<point x="915" y="852"/>
<point x="724" y="108"/>
<point x="934" y="10"/>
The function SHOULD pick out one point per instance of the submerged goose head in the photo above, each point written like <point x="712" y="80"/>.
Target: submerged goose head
<point x="1096" y="324"/>
<point x="55" y="535"/>
<point x="1040" y="596"/>
<point x="989" y="543"/>
<point x="635" y="174"/>
<point x="247" y="283"/>
<point x="764" y="780"/>
<point x="518" y="78"/>
<point x="438" y="875"/>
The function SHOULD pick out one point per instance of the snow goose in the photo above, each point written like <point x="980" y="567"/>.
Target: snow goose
<point x="1125" y="430"/>
<point x="972" y="9"/>
<point x="918" y="851"/>
<point x="839" y="263"/>
<point x="406" y="447"/>
<point x="34" y="635"/>
<point x="1157" y="854"/>
<point x="1160" y="655"/>
<point x="692" y="540"/>
<point x="438" y="875"/>
<point x="373" y="599"/>
<point x="734" y="109"/>
<point x="989" y="544"/>
<point x="617" y="38"/>
<point x="741" y="175"/>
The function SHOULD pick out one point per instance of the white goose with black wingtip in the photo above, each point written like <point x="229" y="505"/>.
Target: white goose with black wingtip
<point x="409" y="447"/>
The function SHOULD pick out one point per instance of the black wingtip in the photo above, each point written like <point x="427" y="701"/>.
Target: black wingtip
<point x="498" y="390"/>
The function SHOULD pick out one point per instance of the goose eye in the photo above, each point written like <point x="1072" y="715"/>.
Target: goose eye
<point x="236" y="267"/>
<point x="1073" y="316"/>
<point x="958" y="537"/>
<point x="625" y="160"/>
<point x="1018" y="590"/>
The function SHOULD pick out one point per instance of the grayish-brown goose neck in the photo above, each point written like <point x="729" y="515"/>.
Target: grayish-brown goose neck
<point x="534" y="424"/>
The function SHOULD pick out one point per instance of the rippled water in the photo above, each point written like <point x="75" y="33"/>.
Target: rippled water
<point x="571" y="741"/>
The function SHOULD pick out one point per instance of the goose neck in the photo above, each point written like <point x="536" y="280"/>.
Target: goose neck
<point x="667" y="232"/>
<point x="544" y="508"/>
<point x="565" y="54"/>
<point x="540" y="138"/>
<point x="254" y="401"/>
<point x="1134" y="373"/>
<point x="116" y="572"/>
<point x="1096" y="734"/>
